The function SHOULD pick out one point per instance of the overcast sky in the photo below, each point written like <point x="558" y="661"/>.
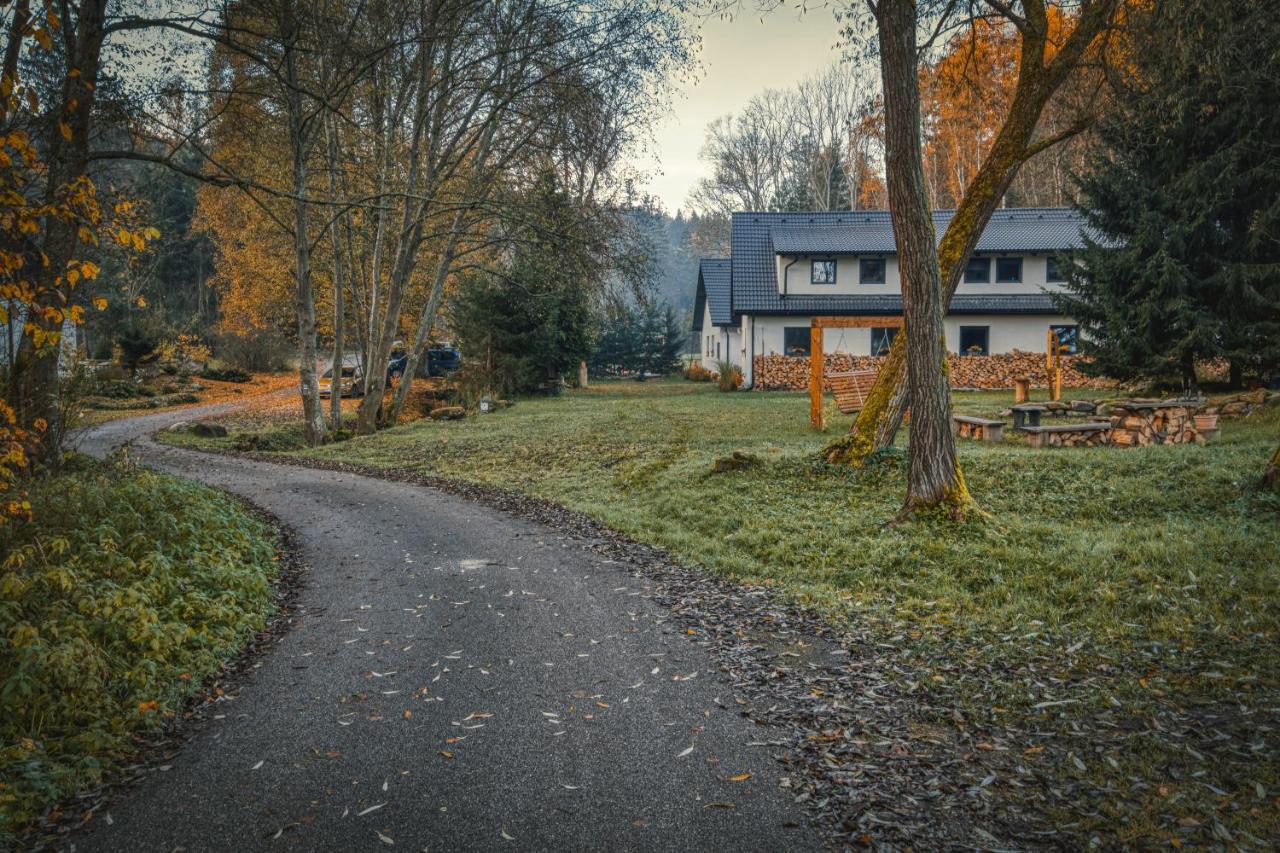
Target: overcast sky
<point x="739" y="58"/>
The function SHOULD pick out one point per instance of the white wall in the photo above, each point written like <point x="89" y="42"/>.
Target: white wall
<point x="719" y="342"/>
<point x="1034" y="273"/>
<point x="1006" y="332"/>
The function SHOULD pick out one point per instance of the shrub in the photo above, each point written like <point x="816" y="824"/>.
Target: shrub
<point x="125" y="592"/>
<point x="730" y="378"/>
<point x="697" y="373"/>
<point x="261" y="350"/>
<point x="224" y="373"/>
<point x="137" y="346"/>
<point x="123" y="389"/>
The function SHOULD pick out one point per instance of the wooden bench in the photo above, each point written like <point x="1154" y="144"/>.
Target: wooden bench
<point x="980" y="429"/>
<point x="1027" y="415"/>
<point x="851" y="389"/>
<point x="1070" y="435"/>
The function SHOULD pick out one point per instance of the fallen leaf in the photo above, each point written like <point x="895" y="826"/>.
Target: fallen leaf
<point x="686" y="752"/>
<point x="741" y="777"/>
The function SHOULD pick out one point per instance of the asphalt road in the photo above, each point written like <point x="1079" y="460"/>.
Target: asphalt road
<point x="456" y="679"/>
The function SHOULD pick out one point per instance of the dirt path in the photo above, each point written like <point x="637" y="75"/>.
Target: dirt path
<point x="456" y="679"/>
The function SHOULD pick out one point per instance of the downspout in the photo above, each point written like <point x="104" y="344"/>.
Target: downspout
<point x="785" y="271"/>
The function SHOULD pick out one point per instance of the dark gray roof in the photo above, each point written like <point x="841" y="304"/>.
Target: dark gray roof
<point x="758" y="237"/>
<point x="714" y="289"/>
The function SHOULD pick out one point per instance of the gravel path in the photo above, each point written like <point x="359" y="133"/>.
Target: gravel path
<point x="455" y="678"/>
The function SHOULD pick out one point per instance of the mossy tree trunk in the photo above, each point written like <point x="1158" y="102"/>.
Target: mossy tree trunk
<point x="933" y="472"/>
<point x="1041" y="73"/>
<point x="1271" y="477"/>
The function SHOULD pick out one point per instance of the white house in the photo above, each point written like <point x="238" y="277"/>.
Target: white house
<point x="787" y="268"/>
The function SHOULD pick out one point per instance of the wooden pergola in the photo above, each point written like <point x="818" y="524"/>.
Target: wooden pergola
<point x="817" y="357"/>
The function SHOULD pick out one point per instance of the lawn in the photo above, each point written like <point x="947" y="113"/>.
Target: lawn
<point x="1142" y="584"/>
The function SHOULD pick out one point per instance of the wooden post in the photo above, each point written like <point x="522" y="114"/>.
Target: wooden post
<point x="816" y="359"/>
<point x="1021" y="390"/>
<point x="1056" y="391"/>
<point x="582" y="374"/>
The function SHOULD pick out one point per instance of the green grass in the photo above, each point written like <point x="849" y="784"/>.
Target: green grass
<point x="1144" y="579"/>
<point x="120" y="598"/>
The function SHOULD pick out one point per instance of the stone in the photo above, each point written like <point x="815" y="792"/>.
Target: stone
<point x="448" y="413"/>
<point x="180" y="426"/>
<point x="1086" y="406"/>
<point x="205" y="430"/>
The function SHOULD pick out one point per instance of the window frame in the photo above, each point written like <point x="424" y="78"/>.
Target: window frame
<point x="1014" y="258"/>
<point x="961" y="349"/>
<point x="786" y="349"/>
<point x="862" y="272"/>
<point x="888" y="332"/>
<point x="986" y="278"/>
<point x="1053" y="273"/>
<point x="813" y="265"/>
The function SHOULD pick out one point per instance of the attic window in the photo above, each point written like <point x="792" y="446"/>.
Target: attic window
<point x="822" y="272"/>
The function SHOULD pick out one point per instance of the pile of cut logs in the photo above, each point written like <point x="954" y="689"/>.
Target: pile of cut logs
<point x="1138" y="423"/>
<point x="1072" y="438"/>
<point x="791" y="373"/>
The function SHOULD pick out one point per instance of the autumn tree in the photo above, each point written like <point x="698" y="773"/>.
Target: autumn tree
<point x="1045" y="62"/>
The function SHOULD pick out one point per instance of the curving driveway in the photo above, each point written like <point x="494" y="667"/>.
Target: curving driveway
<point x="455" y="679"/>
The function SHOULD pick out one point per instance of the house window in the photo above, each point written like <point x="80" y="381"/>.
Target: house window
<point x="1008" y="270"/>
<point x="1054" y="272"/>
<point x="822" y="272"/>
<point x="975" y="340"/>
<point x="717" y="350"/>
<point x="1068" y="338"/>
<point x="795" y="340"/>
<point x="871" y="271"/>
<point x="977" y="271"/>
<point x="882" y="339"/>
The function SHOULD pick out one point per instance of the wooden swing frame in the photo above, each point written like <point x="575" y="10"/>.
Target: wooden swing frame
<point x="857" y="384"/>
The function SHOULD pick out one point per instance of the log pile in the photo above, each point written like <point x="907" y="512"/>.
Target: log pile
<point x="1071" y="438"/>
<point x="791" y="373"/>
<point x="1139" y="423"/>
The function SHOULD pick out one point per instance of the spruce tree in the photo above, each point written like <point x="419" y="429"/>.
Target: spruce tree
<point x="1184" y="199"/>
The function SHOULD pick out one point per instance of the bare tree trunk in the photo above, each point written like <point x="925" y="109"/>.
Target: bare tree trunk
<point x="304" y="298"/>
<point x="34" y="391"/>
<point x="933" y="473"/>
<point x="443" y="267"/>
<point x="1039" y="77"/>
<point x="335" y="386"/>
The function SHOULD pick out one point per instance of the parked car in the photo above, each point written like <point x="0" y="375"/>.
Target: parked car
<point x="351" y="383"/>
<point x="442" y="360"/>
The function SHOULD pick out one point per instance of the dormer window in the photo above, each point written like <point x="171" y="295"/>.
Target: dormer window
<point x="871" y="271"/>
<point x="822" y="272"/>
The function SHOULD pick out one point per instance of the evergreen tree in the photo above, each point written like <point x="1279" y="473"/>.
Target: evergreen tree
<point x="528" y="324"/>
<point x="1185" y="199"/>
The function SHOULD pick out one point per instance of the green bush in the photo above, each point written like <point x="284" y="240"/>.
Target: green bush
<point x="119" y="600"/>
<point x="123" y="389"/>
<point x="224" y="374"/>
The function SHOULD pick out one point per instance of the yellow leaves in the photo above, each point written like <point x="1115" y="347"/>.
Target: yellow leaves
<point x="144" y="707"/>
<point x="100" y="303"/>
<point x="65" y="130"/>
<point x="141" y="302"/>
<point x="42" y="36"/>
<point x="40" y="424"/>
<point x="741" y="777"/>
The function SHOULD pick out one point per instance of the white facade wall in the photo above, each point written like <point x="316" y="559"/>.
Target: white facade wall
<point x="765" y="334"/>
<point x="719" y="342"/>
<point x="798" y="274"/>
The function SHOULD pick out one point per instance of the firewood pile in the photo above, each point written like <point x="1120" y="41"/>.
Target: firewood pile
<point x="791" y="373"/>
<point x="1138" y="423"/>
<point x="1082" y="437"/>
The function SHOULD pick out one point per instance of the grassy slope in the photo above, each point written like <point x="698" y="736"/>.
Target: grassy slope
<point x="121" y="598"/>
<point x="1139" y="582"/>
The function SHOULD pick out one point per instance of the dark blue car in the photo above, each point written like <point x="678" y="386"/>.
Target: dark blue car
<point x="440" y="360"/>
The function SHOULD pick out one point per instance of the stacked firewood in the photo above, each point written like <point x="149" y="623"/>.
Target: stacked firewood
<point x="1080" y="438"/>
<point x="791" y="373"/>
<point x="1134" y="424"/>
